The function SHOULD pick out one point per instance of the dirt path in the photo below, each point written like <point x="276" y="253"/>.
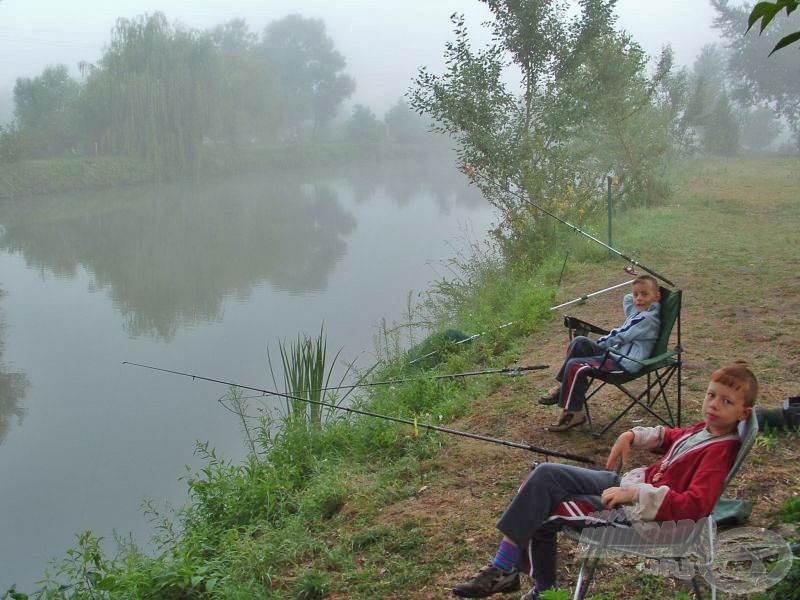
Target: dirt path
<point x="728" y="238"/>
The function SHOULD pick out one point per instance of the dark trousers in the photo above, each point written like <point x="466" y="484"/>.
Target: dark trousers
<point x="525" y="521"/>
<point x="584" y="359"/>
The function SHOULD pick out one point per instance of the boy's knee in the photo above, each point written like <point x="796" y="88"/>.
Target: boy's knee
<point x="580" y="346"/>
<point x="544" y="472"/>
<point x="577" y="341"/>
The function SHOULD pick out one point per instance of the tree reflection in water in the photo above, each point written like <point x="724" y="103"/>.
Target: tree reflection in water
<point x="169" y="256"/>
<point x="12" y="390"/>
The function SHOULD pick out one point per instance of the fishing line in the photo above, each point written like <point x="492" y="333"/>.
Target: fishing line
<point x="466" y="339"/>
<point x="512" y="371"/>
<point x="414" y="423"/>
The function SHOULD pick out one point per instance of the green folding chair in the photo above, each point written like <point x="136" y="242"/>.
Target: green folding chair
<point x="657" y="371"/>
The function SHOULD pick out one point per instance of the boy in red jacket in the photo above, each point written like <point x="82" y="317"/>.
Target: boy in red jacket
<point x="684" y="484"/>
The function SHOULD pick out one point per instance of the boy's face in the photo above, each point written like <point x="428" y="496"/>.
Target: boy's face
<point x="644" y="294"/>
<point x="723" y="408"/>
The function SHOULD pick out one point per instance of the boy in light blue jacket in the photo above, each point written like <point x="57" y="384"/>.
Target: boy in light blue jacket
<point x="635" y="338"/>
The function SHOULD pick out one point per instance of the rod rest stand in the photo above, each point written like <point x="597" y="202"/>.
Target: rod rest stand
<point x="579" y="327"/>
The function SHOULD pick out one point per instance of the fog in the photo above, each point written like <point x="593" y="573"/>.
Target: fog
<point x="188" y="200"/>
<point x="383" y="43"/>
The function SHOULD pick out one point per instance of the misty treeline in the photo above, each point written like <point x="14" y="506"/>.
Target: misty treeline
<point x="563" y="97"/>
<point x="586" y="93"/>
<point x="164" y="93"/>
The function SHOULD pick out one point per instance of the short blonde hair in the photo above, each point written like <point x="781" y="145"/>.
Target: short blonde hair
<point x="739" y="377"/>
<point x="653" y="281"/>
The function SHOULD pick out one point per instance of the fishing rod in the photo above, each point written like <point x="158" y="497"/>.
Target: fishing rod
<point x="413" y="423"/>
<point x="465" y="340"/>
<point x="472" y="171"/>
<point x="585" y="297"/>
<point x="513" y="371"/>
<point x="577" y="300"/>
<point x="594" y="239"/>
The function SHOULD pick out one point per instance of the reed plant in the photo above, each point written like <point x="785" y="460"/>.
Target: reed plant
<point x="306" y="374"/>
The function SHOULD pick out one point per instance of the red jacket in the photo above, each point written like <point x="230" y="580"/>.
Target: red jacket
<point x="687" y="488"/>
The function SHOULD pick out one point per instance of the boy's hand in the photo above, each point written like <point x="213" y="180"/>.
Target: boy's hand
<point x="615" y="496"/>
<point x="620" y="449"/>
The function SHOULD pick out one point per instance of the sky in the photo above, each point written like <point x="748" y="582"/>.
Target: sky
<point x="384" y="42"/>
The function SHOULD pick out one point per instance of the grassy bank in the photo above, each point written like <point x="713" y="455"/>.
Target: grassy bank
<point x="362" y="508"/>
<point x="77" y="173"/>
<point x="73" y="173"/>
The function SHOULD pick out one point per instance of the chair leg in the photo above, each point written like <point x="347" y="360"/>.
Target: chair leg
<point x="590" y="394"/>
<point x="696" y="587"/>
<point x="585" y="577"/>
<point x="712" y="530"/>
<point x="588" y="416"/>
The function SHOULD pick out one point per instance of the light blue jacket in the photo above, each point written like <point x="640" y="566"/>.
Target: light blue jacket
<point x="636" y="337"/>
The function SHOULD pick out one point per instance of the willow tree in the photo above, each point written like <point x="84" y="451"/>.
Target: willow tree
<point x="576" y="112"/>
<point x="154" y="91"/>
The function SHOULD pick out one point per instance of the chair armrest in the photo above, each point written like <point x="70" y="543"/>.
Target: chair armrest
<point x="646" y="362"/>
<point x="579" y="325"/>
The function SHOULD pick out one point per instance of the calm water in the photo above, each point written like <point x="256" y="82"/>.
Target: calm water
<point x="196" y="278"/>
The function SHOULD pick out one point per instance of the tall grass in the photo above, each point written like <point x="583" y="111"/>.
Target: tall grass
<point x="304" y="364"/>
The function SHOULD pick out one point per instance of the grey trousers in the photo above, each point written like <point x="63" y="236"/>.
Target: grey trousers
<point x="525" y="519"/>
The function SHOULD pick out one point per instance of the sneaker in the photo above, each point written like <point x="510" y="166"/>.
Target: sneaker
<point x="489" y="580"/>
<point x="551" y="397"/>
<point x="567" y="421"/>
<point x="531" y="595"/>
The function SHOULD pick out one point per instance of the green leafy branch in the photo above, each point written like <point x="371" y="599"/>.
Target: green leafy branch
<point x="766" y="12"/>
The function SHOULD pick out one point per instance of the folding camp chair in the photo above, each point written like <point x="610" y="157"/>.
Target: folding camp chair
<point x="668" y="542"/>
<point x="657" y="371"/>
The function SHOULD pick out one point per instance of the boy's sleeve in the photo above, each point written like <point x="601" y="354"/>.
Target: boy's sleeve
<point x="648" y="438"/>
<point x="657" y="439"/>
<point x="645" y="325"/>
<point x="697" y="501"/>
<point x="627" y="305"/>
<point x="610" y="339"/>
<point x="670" y="436"/>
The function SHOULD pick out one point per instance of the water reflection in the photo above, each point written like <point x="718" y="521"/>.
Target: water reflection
<point x="403" y="180"/>
<point x="12" y="390"/>
<point x="168" y="256"/>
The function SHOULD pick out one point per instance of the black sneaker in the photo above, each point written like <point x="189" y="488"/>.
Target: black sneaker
<point x="489" y="580"/>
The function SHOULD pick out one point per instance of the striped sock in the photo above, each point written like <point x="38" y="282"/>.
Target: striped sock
<point x="507" y="557"/>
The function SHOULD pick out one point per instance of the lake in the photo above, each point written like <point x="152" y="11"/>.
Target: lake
<point x="203" y="278"/>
